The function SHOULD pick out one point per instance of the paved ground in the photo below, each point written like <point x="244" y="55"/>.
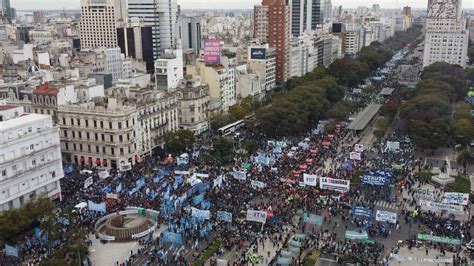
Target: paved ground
<point x="419" y="253"/>
<point x="108" y="254"/>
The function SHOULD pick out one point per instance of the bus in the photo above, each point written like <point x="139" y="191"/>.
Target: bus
<point x="231" y="128"/>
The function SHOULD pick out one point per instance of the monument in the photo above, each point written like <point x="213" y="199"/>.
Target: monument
<point x="443" y="176"/>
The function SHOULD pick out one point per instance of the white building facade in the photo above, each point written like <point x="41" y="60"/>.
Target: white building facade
<point x="98" y="26"/>
<point x="30" y="157"/>
<point x="446" y="37"/>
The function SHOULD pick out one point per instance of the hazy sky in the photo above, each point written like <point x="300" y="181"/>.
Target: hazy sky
<point x="187" y="4"/>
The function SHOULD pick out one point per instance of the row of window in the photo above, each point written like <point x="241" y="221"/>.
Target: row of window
<point x="95" y="123"/>
<point x="97" y="149"/>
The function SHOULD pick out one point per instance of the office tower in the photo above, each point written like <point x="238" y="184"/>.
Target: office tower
<point x="30" y="157"/>
<point x="38" y="17"/>
<point x="260" y="21"/>
<point x="279" y="36"/>
<point x="98" y="26"/>
<point x="6" y="10"/>
<point x="307" y="14"/>
<point x="135" y="41"/>
<point x="189" y="32"/>
<point x="446" y="37"/>
<point x="161" y="15"/>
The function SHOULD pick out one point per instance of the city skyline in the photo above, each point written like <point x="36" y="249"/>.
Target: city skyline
<point x="230" y="4"/>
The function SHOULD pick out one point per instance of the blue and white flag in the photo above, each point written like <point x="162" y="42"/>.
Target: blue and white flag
<point x="172" y="237"/>
<point x="198" y="199"/>
<point x="240" y="175"/>
<point x="97" y="207"/>
<point x="11" y="250"/>
<point x="118" y="188"/>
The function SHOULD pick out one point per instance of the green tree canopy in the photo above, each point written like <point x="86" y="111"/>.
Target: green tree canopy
<point x="179" y="141"/>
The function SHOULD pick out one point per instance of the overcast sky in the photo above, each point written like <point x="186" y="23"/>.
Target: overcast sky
<point x="187" y="4"/>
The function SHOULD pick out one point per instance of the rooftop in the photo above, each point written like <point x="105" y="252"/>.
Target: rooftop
<point x="44" y="89"/>
<point x="7" y="107"/>
<point x="364" y="117"/>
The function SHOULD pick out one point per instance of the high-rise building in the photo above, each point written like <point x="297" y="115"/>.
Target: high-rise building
<point x="446" y="37"/>
<point x="30" y="157"/>
<point x="169" y="70"/>
<point x="272" y="25"/>
<point x="161" y="15"/>
<point x="306" y="15"/>
<point x="189" y="32"/>
<point x="38" y="17"/>
<point x="260" y="21"/>
<point x="98" y="26"/>
<point x="5" y="10"/>
<point x="135" y="41"/>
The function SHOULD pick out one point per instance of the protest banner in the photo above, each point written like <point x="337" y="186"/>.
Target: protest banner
<point x="310" y="180"/>
<point x="224" y="216"/>
<point x="111" y="196"/>
<point x="375" y="180"/>
<point x="355" y="235"/>
<point x="313" y="219"/>
<point x="257" y="216"/>
<point x="361" y="211"/>
<point x="240" y="175"/>
<point x="427" y="205"/>
<point x="424" y="193"/>
<point x="181" y="172"/>
<point x="200" y="175"/>
<point x="455" y="198"/>
<point x="172" y="237"/>
<point x="385" y="216"/>
<point x="439" y="239"/>
<point x="255" y="183"/>
<point x="201" y="214"/>
<point x="103" y="174"/>
<point x="88" y="182"/>
<point x="334" y="184"/>
<point x="355" y="156"/>
<point x="96" y="207"/>
<point x="407" y="258"/>
<point x="393" y="145"/>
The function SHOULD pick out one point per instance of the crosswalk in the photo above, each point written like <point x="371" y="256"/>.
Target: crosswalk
<point x="381" y="203"/>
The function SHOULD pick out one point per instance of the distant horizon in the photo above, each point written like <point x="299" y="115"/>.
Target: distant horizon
<point x="52" y="5"/>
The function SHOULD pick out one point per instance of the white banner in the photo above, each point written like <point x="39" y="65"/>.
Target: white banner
<point x="393" y="145"/>
<point x="355" y="156"/>
<point x="427" y="205"/>
<point x="310" y="180"/>
<point x="334" y="184"/>
<point x="255" y="183"/>
<point x="384" y="216"/>
<point x="456" y="198"/>
<point x="257" y="216"/>
<point x="240" y="175"/>
<point x="403" y="258"/>
<point x="103" y="174"/>
<point x="182" y="172"/>
<point x="424" y="193"/>
<point x="88" y="182"/>
<point x="359" y="147"/>
<point x="111" y="196"/>
<point x="202" y="175"/>
<point x="200" y="213"/>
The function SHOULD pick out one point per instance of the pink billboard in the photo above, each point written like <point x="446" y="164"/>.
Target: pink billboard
<point x="212" y="51"/>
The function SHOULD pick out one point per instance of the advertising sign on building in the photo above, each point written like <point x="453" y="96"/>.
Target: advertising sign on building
<point x="212" y="51"/>
<point x="258" y="53"/>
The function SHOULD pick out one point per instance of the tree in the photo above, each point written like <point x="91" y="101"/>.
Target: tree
<point x="383" y="123"/>
<point x="179" y="141"/>
<point x="222" y="150"/>
<point x="251" y="146"/>
<point x="465" y="159"/>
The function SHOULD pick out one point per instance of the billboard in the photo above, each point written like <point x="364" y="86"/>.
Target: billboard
<point x="258" y="53"/>
<point x="212" y="51"/>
